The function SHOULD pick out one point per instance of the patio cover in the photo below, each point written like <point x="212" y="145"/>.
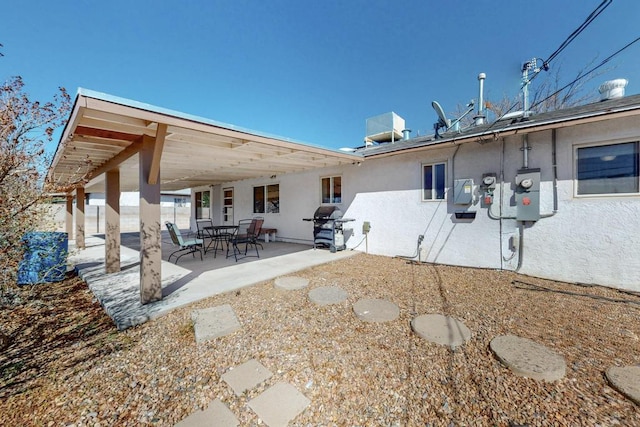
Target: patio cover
<point x="105" y="132"/>
<point x="112" y="144"/>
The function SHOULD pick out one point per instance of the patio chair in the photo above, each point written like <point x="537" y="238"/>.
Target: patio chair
<point x="190" y="246"/>
<point x="246" y="234"/>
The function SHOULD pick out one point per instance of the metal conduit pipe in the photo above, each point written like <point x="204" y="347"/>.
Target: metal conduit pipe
<point x="525" y="151"/>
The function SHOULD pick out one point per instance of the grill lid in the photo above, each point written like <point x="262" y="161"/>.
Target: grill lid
<point x="327" y="212"/>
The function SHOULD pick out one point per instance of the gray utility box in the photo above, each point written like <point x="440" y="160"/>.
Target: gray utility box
<point x="528" y="195"/>
<point x="463" y="191"/>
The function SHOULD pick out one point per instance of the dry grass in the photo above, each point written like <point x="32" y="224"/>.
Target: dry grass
<point x="66" y="364"/>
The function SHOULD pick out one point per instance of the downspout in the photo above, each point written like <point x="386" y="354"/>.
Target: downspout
<point x="554" y="168"/>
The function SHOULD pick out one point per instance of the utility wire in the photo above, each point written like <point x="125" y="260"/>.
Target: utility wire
<point x="592" y="16"/>
<point x="587" y="73"/>
<point x="545" y="64"/>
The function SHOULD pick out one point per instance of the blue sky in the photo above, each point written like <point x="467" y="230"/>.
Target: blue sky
<point x="312" y="71"/>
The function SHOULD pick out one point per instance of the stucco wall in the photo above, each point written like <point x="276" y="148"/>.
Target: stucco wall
<point x="588" y="240"/>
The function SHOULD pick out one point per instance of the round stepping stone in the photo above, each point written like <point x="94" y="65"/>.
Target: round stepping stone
<point x="626" y="380"/>
<point x="326" y="295"/>
<point x="527" y="358"/>
<point x="441" y="329"/>
<point x="291" y="283"/>
<point x="376" y="310"/>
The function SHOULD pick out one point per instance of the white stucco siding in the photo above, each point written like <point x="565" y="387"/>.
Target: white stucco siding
<point x="587" y="240"/>
<point x="592" y="240"/>
<point x="392" y="203"/>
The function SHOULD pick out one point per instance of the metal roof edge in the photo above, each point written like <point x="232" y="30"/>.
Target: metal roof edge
<point x="191" y="117"/>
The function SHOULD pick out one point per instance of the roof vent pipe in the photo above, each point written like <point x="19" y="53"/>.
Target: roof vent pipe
<point x="612" y="89"/>
<point x="406" y="133"/>
<point x="479" y="118"/>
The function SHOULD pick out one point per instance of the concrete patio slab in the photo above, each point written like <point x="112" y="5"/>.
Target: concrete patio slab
<point x="441" y="330"/>
<point x="246" y="376"/>
<point x="626" y="379"/>
<point x="376" y="310"/>
<point x="279" y="405"/>
<point x="119" y="293"/>
<point x="527" y="358"/>
<point x="291" y="283"/>
<point x="214" y="322"/>
<point x="326" y="295"/>
<point x="216" y="415"/>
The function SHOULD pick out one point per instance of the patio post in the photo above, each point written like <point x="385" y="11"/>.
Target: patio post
<point x="68" y="217"/>
<point x="150" y="241"/>
<point x="112" y="221"/>
<point x="80" y="218"/>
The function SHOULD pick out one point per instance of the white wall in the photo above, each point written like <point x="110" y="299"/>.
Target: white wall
<point x="588" y="240"/>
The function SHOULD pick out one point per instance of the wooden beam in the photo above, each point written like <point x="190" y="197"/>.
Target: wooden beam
<point x="125" y="154"/>
<point x="106" y="134"/>
<point x="154" y="171"/>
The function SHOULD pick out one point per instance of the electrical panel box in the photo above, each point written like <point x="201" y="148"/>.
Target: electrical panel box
<point x="463" y="191"/>
<point x="528" y="195"/>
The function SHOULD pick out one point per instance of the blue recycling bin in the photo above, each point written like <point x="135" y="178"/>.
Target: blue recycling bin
<point x="45" y="257"/>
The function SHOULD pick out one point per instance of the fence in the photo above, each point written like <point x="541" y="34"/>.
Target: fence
<point x="129" y="217"/>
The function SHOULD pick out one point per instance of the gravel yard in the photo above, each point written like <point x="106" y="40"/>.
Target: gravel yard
<point x="67" y="364"/>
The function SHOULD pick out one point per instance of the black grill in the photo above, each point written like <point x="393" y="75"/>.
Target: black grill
<point x="327" y="228"/>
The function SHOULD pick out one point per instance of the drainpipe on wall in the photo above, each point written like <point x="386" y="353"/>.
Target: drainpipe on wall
<point x="554" y="168"/>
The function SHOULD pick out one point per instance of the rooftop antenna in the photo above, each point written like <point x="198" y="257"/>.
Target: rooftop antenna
<point x="531" y="65"/>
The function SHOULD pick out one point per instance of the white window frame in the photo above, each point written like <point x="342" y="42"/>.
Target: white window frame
<point x="433" y="192"/>
<point x="576" y="147"/>
<point x="332" y="197"/>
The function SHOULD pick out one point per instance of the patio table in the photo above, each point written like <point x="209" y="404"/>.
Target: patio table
<point x="219" y="234"/>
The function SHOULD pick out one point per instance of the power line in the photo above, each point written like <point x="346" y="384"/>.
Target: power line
<point x="592" y="16"/>
<point x="588" y="72"/>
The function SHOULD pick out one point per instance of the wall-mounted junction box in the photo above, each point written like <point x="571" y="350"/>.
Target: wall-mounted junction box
<point x="366" y="227"/>
<point x="463" y="191"/>
<point x="528" y="195"/>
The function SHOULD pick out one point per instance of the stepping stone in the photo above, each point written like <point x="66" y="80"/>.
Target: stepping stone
<point x="217" y="414"/>
<point x="441" y="329"/>
<point x="626" y="380"/>
<point x="376" y="310"/>
<point x="291" y="283"/>
<point x="326" y="295"/>
<point x="214" y="322"/>
<point x="246" y="376"/>
<point x="279" y="405"/>
<point x="527" y="358"/>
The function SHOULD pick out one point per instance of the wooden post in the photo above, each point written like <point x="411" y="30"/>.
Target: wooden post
<point x="150" y="241"/>
<point x="80" y="218"/>
<point x="68" y="218"/>
<point x="112" y="221"/>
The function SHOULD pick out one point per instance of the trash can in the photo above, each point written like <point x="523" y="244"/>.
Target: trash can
<point x="44" y="259"/>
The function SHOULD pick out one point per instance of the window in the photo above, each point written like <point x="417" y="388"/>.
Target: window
<point x="180" y="201"/>
<point x="202" y="204"/>
<point x="433" y="181"/>
<point x="607" y="169"/>
<point x="266" y="199"/>
<point x="331" y="189"/>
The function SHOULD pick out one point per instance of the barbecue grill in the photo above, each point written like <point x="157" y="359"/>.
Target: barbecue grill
<point x="328" y="228"/>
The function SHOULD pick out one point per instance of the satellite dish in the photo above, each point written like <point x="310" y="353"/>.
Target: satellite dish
<point x="443" y="121"/>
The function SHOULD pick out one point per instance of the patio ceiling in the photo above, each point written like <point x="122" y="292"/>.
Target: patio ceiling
<point x="105" y="132"/>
